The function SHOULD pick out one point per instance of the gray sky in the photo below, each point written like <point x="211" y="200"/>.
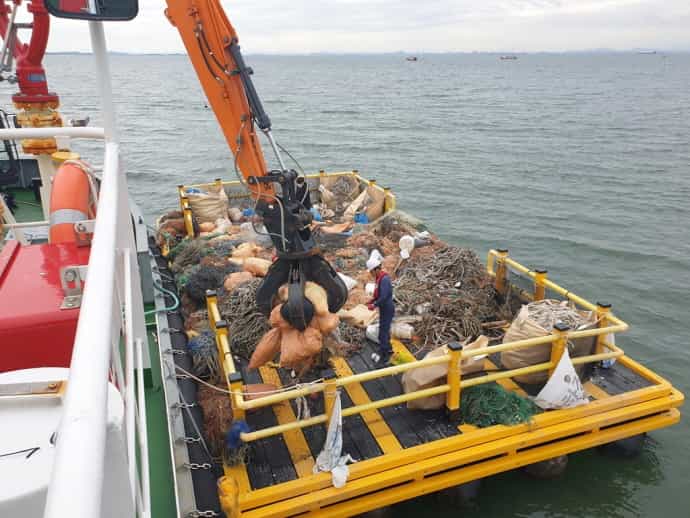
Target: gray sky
<point x="303" y="26"/>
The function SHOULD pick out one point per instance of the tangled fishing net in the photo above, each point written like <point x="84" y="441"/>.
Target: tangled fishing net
<point x="490" y="404"/>
<point x="547" y="313"/>
<point x="224" y="247"/>
<point x="204" y="278"/>
<point x="188" y="252"/>
<point x="246" y="324"/>
<point x="205" y="365"/>
<point x="452" y="291"/>
<point x="197" y="321"/>
<point x="344" y="189"/>
<point x="217" y="413"/>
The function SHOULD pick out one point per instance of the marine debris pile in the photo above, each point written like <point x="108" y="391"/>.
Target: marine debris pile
<point x="442" y="292"/>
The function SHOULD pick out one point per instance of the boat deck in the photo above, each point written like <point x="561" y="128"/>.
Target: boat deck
<point x="401" y="453"/>
<point x="290" y="456"/>
<point x="282" y="458"/>
<point x="404" y="453"/>
<point x="28" y="207"/>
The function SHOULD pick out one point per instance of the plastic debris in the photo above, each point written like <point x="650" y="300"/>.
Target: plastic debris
<point x="331" y="458"/>
<point x="564" y="389"/>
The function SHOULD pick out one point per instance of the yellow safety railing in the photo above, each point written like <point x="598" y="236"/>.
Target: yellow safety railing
<point x="498" y="260"/>
<point x="389" y="199"/>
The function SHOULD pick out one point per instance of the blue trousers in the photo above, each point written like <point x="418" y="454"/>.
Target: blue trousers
<point x="386" y="315"/>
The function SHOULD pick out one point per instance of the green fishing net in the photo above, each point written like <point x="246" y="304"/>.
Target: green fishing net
<point x="489" y="404"/>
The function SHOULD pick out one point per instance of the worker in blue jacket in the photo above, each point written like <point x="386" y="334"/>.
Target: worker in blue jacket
<point x="383" y="300"/>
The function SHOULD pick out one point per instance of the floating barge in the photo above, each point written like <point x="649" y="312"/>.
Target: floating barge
<point x="401" y="453"/>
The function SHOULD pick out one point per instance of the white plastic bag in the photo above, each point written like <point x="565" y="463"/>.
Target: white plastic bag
<point x="406" y="245"/>
<point x="350" y="283"/>
<point x="563" y="390"/>
<point x="400" y="330"/>
<point x="331" y="458"/>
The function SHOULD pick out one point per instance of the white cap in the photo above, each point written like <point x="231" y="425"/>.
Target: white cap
<point x="374" y="260"/>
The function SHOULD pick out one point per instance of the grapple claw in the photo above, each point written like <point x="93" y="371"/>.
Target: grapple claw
<point x="298" y="310"/>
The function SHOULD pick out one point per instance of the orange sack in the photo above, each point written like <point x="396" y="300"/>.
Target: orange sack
<point x="296" y="349"/>
<point x="266" y="349"/>
<point x="276" y="319"/>
<point x="313" y="342"/>
<point x="258" y="390"/>
<point x="327" y="323"/>
<point x="256" y="266"/>
<point x="233" y="280"/>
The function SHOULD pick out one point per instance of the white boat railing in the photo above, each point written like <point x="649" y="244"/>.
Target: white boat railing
<point x="111" y="317"/>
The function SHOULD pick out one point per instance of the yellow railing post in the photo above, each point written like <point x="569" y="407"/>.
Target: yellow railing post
<point x="603" y="311"/>
<point x="501" y="270"/>
<point x="188" y="221"/>
<point x="539" y="286"/>
<point x="558" y="345"/>
<point x="329" y="394"/>
<point x="180" y="192"/>
<point x="453" y="381"/>
<point x="236" y="382"/>
<point x="211" y="300"/>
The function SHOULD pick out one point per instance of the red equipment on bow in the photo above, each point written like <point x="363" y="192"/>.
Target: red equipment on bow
<point x="31" y="76"/>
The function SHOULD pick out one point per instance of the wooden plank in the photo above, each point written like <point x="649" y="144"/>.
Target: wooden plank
<point x="314" y="435"/>
<point x="269" y="459"/>
<point x="373" y="419"/>
<point x="395" y="416"/>
<point x="296" y="443"/>
<point x="428" y="425"/>
<point x="594" y="391"/>
<point x="618" y="379"/>
<point x="441" y="425"/>
<point x="357" y="440"/>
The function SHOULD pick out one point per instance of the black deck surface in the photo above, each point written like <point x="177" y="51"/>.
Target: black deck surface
<point x="269" y="460"/>
<point x="618" y="379"/>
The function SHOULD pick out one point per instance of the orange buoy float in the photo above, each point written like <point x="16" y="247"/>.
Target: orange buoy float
<point x="70" y="201"/>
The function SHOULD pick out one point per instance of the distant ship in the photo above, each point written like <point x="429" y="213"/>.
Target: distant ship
<point x="411" y="58"/>
<point x="509" y="57"/>
<point x="646" y="51"/>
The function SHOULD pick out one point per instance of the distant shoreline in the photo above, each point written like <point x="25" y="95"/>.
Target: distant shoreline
<point x="658" y="52"/>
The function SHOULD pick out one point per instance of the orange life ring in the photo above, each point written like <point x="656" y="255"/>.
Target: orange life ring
<point x="70" y="202"/>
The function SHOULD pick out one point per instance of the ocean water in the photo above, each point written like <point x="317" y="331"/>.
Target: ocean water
<point x="576" y="163"/>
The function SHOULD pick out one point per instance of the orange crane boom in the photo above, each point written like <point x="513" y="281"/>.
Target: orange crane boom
<point x="207" y="35"/>
<point x="213" y="48"/>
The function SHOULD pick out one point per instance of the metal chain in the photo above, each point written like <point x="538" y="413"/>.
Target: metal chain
<point x="194" y="465"/>
<point x="190" y="440"/>
<point x="201" y="514"/>
<point x="183" y="405"/>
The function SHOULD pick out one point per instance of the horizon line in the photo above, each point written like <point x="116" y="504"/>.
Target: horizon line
<point x="401" y="52"/>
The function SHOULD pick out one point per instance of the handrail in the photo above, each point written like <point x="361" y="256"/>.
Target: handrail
<point x="389" y="197"/>
<point x="88" y="132"/>
<point x="111" y="309"/>
<point x="81" y="434"/>
<point x="608" y="326"/>
<point x="496" y="256"/>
